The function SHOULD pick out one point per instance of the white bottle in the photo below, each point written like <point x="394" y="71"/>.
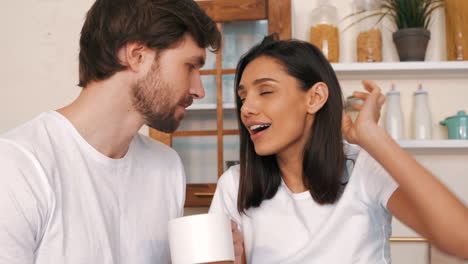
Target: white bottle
<point x="394" y="115"/>
<point x="422" y="121"/>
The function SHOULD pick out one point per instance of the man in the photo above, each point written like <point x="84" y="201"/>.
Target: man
<point x="79" y="185"/>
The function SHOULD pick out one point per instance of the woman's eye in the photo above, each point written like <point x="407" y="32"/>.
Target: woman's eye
<point x="191" y="66"/>
<point x="267" y="92"/>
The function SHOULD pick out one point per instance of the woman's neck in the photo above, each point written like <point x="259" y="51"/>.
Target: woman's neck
<point x="290" y="165"/>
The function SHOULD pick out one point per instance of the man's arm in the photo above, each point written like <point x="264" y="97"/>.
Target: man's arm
<point x="21" y="208"/>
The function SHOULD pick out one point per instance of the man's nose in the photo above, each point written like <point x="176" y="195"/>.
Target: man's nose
<point x="196" y="88"/>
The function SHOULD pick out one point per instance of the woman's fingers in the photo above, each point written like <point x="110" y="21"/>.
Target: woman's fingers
<point x="381" y="99"/>
<point x="361" y="95"/>
<point x="233" y="226"/>
<point x="357" y="107"/>
<point x="238" y="240"/>
<point x="374" y="94"/>
<point x="371" y="86"/>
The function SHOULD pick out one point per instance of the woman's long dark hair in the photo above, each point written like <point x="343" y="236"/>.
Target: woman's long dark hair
<point x="324" y="159"/>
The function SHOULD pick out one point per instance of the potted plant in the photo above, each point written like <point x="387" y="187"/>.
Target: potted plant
<point x="411" y="19"/>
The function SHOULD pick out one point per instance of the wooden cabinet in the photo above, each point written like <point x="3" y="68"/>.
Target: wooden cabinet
<point x="216" y="116"/>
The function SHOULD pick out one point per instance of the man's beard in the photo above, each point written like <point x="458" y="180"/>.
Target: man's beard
<point x="152" y="99"/>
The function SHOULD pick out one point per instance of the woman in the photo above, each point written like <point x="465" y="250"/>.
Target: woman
<point x="303" y="195"/>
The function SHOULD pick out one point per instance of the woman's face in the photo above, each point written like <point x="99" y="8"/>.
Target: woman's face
<point x="274" y="108"/>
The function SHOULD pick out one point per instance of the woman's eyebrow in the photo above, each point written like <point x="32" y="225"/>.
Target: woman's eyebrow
<point x="241" y="87"/>
<point x="258" y="81"/>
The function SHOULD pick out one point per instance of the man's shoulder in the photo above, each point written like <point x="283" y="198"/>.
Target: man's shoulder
<point x="27" y="135"/>
<point x="12" y="153"/>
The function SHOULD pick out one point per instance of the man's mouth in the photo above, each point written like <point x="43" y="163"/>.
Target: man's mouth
<point x="186" y="102"/>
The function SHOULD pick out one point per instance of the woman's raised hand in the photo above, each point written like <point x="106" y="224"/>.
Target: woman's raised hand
<point x="369" y="113"/>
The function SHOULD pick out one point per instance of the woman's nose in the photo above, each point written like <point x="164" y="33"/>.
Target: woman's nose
<point x="248" y="108"/>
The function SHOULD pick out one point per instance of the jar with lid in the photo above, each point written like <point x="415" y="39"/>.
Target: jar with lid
<point x="349" y="108"/>
<point x="324" y="31"/>
<point x="369" y="38"/>
<point x="457" y="125"/>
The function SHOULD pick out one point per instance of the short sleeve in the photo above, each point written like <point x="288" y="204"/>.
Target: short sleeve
<point x="376" y="185"/>
<point x="23" y="205"/>
<point x="181" y="186"/>
<point x="225" y="198"/>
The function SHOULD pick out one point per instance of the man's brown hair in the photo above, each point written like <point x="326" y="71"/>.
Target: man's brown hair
<point x="159" y="24"/>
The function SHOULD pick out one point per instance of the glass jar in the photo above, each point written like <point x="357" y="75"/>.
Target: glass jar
<point x="324" y="31"/>
<point x="456" y="22"/>
<point x="459" y="38"/>
<point x="369" y="38"/>
<point x="349" y="107"/>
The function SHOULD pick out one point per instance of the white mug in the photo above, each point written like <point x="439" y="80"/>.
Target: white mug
<point x="203" y="238"/>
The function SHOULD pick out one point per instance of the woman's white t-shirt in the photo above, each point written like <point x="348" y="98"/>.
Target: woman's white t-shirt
<point x="293" y="228"/>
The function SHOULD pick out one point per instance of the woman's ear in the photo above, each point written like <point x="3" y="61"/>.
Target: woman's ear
<point x="316" y="97"/>
<point x="134" y="55"/>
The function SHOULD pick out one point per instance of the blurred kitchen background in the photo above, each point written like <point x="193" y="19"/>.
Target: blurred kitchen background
<point x="39" y="72"/>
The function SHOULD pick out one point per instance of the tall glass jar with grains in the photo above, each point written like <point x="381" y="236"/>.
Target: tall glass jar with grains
<point x="324" y="31"/>
<point x="369" y="38"/>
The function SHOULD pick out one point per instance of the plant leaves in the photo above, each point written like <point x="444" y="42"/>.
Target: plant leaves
<point x="404" y="13"/>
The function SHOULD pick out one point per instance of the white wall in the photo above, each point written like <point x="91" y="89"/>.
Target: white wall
<point x="39" y="54"/>
<point x="39" y="69"/>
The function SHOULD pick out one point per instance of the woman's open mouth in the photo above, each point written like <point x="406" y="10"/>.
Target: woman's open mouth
<point x="257" y="131"/>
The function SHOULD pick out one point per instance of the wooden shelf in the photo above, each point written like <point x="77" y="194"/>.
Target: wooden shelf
<point x="435" y="146"/>
<point x="391" y="70"/>
<point x="402" y="70"/>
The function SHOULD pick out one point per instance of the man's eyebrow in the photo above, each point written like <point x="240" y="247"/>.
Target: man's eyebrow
<point x="199" y="60"/>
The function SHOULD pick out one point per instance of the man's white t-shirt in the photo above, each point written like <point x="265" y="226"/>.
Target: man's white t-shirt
<point x="63" y="202"/>
<point x="293" y="228"/>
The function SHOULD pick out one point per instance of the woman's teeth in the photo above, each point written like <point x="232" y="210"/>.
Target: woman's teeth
<point x="258" y="128"/>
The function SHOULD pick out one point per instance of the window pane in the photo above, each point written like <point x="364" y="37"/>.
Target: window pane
<point x="230" y="119"/>
<point x="210" y="62"/>
<point x="240" y="36"/>
<point x="209" y="83"/>
<point x="198" y="120"/>
<point x="231" y="151"/>
<point x="206" y="120"/>
<point x="228" y="89"/>
<point x="198" y="155"/>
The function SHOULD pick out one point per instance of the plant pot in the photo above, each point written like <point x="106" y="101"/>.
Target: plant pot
<point x="412" y="43"/>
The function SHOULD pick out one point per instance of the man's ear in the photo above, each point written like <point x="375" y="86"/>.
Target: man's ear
<point x="316" y="97"/>
<point x="133" y="55"/>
